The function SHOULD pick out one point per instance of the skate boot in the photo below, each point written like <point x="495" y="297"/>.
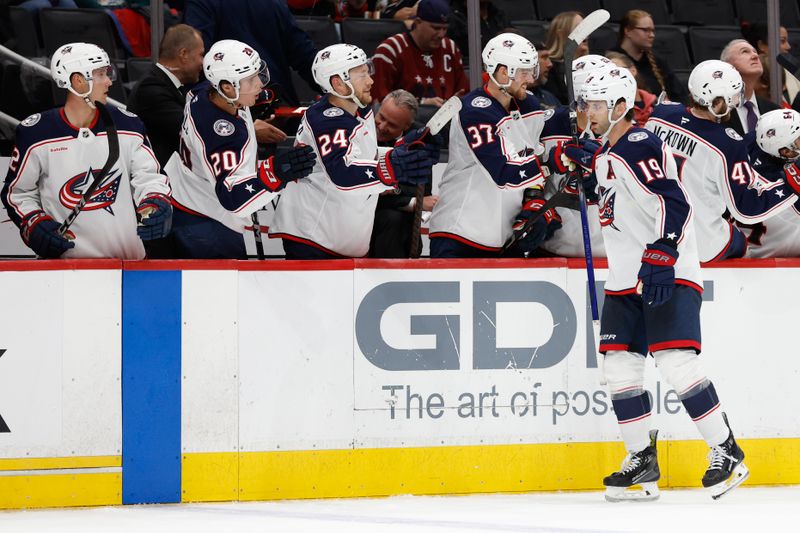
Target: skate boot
<point x="640" y="468"/>
<point x="726" y="469"/>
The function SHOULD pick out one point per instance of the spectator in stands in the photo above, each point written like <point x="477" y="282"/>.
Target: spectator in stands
<point x="336" y="9"/>
<point x="268" y="26"/>
<point x="493" y="21"/>
<point x="744" y="58"/>
<point x="637" y="32"/>
<point x="159" y="98"/>
<point x="394" y="215"/>
<point x="405" y="10"/>
<point x="547" y="99"/>
<point x="560" y="28"/>
<point x="645" y="100"/>
<point x="36" y="5"/>
<point x="423" y="61"/>
<point x="757" y="34"/>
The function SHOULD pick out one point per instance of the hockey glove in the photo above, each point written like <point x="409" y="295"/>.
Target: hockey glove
<point x="402" y="165"/>
<point x="792" y="176"/>
<point x="657" y="273"/>
<point x="40" y="233"/>
<point x="155" y="217"/>
<point x="293" y="164"/>
<point x="543" y="228"/>
<point x="422" y="139"/>
<point x="565" y="157"/>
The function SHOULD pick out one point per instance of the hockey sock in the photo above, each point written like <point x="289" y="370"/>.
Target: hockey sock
<point x="702" y="404"/>
<point x="633" y="415"/>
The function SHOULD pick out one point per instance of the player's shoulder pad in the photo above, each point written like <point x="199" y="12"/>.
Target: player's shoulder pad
<point x="126" y="120"/>
<point x="671" y="112"/>
<point x="556" y="122"/>
<point x="324" y="117"/>
<point x="639" y="144"/>
<point x="479" y="107"/>
<point x="529" y="104"/>
<point x="41" y="126"/>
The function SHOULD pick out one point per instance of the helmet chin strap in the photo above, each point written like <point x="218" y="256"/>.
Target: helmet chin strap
<point x="352" y="96"/>
<point x="84" y="96"/>
<point x="234" y="99"/>
<point x="612" y="122"/>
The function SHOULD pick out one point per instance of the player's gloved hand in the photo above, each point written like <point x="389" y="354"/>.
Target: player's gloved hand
<point x="589" y="183"/>
<point x="293" y="164"/>
<point x="657" y="273"/>
<point x="421" y="138"/>
<point x="404" y="165"/>
<point x="154" y="215"/>
<point x="792" y="176"/>
<point x="565" y="157"/>
<point x="40" y="233"/>
<point x="543" y="228"/>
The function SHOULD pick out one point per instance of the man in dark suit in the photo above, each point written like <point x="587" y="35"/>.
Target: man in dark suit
<point x="159" y="97"/>
<point x="744" y="59"/>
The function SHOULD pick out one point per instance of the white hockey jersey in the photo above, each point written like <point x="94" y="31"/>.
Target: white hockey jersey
<point x="568" y="241"/>
<point x="492" y="161"/>
<point x="53" y="162"/>
<point x="642" y="201"/>
<point x="216" y="172"/>
<point x="715" y="169"/>
<point x="334" y="207"/>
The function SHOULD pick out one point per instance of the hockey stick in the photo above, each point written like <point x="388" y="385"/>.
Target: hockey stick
<point x="257" y="236"/>
<point x="593" y="21"/>
<point x="438" y="121"/>
<point x="113" y="154"/>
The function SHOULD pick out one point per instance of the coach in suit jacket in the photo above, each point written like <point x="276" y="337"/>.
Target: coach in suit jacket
<point x="744" y="59"/>
<point x="159" y="97"/>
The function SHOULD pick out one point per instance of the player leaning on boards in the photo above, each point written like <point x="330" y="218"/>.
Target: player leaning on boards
<point x="59" y="154"/>
<point x="713" y="162"/>
<point x="645" y="208"/>
<point x="218" y="180"/>
<point x="493" y="168"/>
<point x="330" y="214"/>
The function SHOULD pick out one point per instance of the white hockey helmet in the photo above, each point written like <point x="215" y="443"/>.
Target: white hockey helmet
<point x="81" y="58"/>
<point x="232" y="61"/>
<point x="585" y="65"/>
<point x="778" y="129"/>
<point x="512" y="50"/>
<point x="339" y="60"/>
<point x="713" y="79"/>
<point x="609" y="84"/>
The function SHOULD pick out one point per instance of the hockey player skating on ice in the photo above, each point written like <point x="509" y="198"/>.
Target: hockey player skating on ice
<point x="330" y="214"/>
<point x="653" y="291"/>
<point x="59" y="154"/>
<point x="556" y="137"/>
<point x="218" y="181"/>
<point x="713" y="162"/>
<point x="774" y="149"/>
<point x="493" y="169"/>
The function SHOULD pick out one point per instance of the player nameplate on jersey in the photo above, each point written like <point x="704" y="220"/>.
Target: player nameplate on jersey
<point x="333" y="112"/>
<point x="481" y="101"/>
<point x="637" y="136"/>
<point x="733" y="134"/>
<point x="223" y="128"/>
<point x="31" y="120"/>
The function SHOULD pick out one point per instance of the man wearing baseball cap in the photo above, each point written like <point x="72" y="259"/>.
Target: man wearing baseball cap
<point x="423" y="60"/>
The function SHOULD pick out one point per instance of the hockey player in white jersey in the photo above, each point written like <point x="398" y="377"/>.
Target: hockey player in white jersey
<point x="653" y="291"/>
<point x="493" y="181"/>
<point x="59" y="153"/>
<point x="713" y="162"/>
<point x="330" y="214"/>
<point x="775" y="148"/>
<point x="556" y="138"/>
<point x="217" y="179"/>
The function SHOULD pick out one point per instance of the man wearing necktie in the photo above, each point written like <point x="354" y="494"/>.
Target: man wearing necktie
<point x="744" y="59"/>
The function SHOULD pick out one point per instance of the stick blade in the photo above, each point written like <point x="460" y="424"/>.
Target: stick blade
<point x="593" y="20"/>
<point x="444" y="115"/>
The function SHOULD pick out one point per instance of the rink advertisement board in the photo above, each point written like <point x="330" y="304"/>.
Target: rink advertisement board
<point x="265" y="380"/>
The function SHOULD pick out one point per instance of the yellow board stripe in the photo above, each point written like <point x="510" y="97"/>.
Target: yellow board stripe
<point x="51" y="463"/>
<point x="27" y="492"/>
<point x="457" y="469"/>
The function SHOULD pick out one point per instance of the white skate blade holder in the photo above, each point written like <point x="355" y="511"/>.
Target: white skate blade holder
<point x="647" y="492"/>
<point x="737" y="477"/>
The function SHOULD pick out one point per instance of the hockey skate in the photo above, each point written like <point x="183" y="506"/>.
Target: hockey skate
<point x="638" y="469"/>
<point x="726" y="469"/>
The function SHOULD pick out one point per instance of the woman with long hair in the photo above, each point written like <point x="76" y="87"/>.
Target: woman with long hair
<point x="637" y="32"/>
<point x="560" y="28"/>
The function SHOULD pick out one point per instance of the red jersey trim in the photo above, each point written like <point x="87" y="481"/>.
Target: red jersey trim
<point x="675" y="345"/>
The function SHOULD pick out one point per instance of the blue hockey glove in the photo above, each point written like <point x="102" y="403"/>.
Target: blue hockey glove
<point x="543" y="228"/>
<point x="155" y="217"/>
<point x="405" y="165"/>
<point x="568" y="156"/>
<point x="588" y="182"/>
<point x="657" y="273"/>
<point x="422" y="139"/>
<point x="40" y="233"/>
<point x="293" y="164"/>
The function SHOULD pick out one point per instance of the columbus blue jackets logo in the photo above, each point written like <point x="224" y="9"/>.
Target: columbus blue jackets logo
<point x="606" y="207"/>
<point x="248" y="52"/>
<point x="218" y="56"/>
<point x="66" y="50"/>
<point x="481" y="101"/>
<point x="508" y="43"/>
<point x="223" y="128"/>
<point x="717" y="75"/>
<point x="324" y="55"/>
<point x="103" y="198"/>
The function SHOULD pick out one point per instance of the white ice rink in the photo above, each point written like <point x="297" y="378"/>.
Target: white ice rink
<point x="759" y="510"/>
